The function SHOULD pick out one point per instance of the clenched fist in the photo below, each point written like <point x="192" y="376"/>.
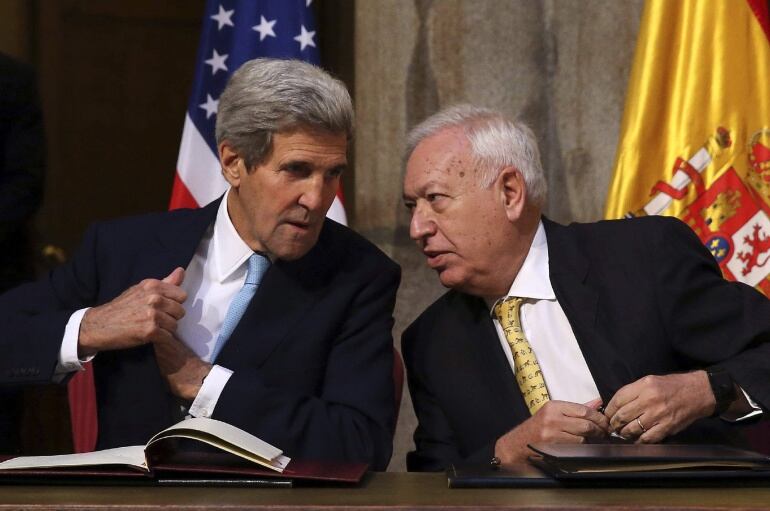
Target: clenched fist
<point x="144" y="313"/>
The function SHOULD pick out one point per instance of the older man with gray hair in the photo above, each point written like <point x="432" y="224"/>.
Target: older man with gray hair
<point x="563" y="334"/>
<point x="254" y="310"/>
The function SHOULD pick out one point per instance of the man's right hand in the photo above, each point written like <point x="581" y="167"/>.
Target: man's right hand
<point x="146" y="312"/>
<point x="555" y="422"/>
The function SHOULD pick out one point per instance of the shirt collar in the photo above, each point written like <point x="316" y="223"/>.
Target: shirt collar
<point x="533" y="280"/>
<point x="230" y="251"/>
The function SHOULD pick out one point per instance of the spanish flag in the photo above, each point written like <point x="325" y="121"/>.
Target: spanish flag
<point x="695" y="136"/>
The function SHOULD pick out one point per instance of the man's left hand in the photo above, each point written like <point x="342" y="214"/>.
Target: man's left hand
<point x="655" y="407"/>
<point x="182" y="368"/>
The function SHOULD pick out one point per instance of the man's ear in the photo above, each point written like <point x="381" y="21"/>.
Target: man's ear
<point x="233" y="166"/>
<point x="513" y="192"/>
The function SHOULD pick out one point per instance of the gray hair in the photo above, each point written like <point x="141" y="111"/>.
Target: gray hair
<point x="496" y="143"/>
<point x="267" y="96"/>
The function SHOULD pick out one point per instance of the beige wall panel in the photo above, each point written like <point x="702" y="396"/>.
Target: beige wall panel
<point x="487" y="53"/>
<point x="594" y="41"/>
<point x="386" y="32"/>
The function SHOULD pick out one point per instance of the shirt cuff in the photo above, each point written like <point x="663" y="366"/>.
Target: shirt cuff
<point x="208" y="395"/>
<point x="68" y="353"/>
<point x="755" y="412"/>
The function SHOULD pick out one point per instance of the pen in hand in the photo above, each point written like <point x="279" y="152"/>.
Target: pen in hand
<point x="614" y="435"/>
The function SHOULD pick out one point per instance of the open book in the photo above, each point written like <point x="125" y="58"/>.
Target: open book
<point x="190" y="451"/>
<point x="209" y="431"/>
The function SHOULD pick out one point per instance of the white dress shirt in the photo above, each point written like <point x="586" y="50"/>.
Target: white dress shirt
<point x="214" y="276"/>
<point x="547" y="329"/>
<point x="550" y="334"/>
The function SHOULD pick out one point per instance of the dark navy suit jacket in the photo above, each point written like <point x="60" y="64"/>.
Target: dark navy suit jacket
<point x="312" y="355"/>
<point x="643" y="297"/>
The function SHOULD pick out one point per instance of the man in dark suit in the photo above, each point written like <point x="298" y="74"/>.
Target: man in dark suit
<point x="556" y="333"/>
<point x="254" y="310"/>
<point x="22" y="170"/>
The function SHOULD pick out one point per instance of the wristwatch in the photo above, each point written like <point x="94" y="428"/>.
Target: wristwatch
<point x="723" y="387"/>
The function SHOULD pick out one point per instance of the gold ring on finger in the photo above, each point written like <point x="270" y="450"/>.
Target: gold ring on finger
<point x="638" y="421"/>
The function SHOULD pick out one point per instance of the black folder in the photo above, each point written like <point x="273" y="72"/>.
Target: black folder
<point x="612" y="465"/>
<point x="506" y="476"/>
<point x="651" y="462"/>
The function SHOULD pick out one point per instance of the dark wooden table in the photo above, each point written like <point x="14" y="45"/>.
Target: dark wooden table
<point x="383" y="491"/>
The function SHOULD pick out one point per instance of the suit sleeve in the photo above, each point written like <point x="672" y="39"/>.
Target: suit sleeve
<point x="33" y="316"/>
<point x="351" y="417"/>
<point x="713" y="322"/>
<point x="436" y="447"/>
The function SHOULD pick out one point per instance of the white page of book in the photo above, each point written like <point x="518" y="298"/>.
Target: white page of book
<point x="228" y="438"/>
<point x="132" y="455"/>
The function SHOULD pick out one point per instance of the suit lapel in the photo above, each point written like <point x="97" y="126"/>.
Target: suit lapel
<point x="287" y="292"/>
<point x="574" y="282"/>
<point x="177" y="240"/>
<point x="473" y="333"/>
<point x="181" y="240"/>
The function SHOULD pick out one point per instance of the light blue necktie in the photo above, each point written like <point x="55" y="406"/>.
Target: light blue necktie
<point x="258" y="265"/>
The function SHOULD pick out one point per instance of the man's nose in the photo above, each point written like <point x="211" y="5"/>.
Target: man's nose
<point x="315" y="193"/>
<point x="422" y="225"/>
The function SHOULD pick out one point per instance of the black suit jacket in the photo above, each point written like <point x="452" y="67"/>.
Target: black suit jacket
<point x="312" y="355"/>
<point x="643" y="297"/>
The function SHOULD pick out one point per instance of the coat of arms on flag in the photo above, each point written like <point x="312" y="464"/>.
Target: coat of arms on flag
<point x="731" y="215"/>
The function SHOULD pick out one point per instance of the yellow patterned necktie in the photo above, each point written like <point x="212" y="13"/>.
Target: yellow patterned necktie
<point x="528" y="373"/>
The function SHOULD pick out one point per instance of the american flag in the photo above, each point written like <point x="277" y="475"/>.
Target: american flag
<point x="235" y="31"/>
